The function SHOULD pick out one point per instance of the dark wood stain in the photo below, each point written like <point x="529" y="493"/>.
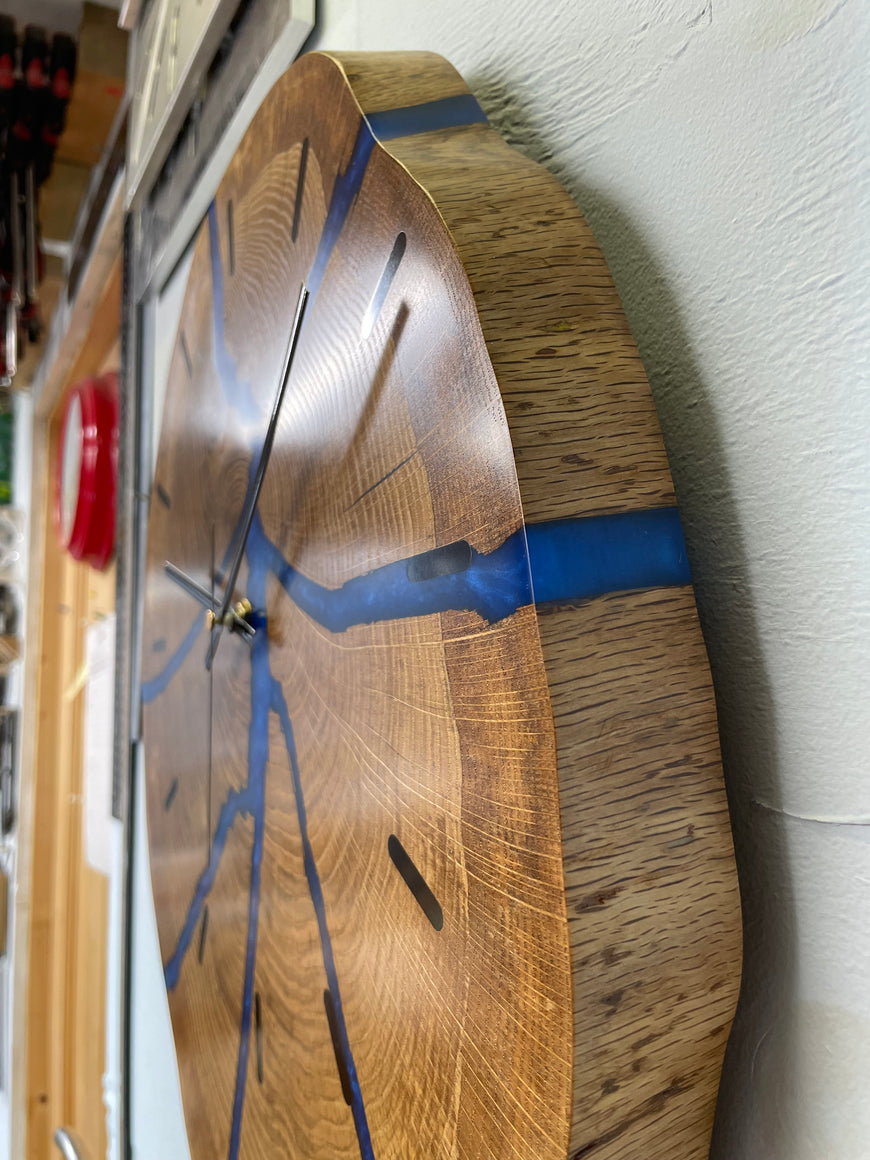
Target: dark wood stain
<point x="651" y="1108"/>
<point x="613" y="1001"/>
<point x="596" y="901"/>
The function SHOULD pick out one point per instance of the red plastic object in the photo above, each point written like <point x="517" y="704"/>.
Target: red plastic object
<point x="85" y="494"/>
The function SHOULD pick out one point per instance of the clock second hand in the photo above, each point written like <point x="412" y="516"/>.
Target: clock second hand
<point x="224" y="614"/>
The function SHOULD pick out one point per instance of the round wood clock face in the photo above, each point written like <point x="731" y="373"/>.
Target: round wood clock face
<point x="359" y="863"/>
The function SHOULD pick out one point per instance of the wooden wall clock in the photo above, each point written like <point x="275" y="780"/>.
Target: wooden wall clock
<point x="440" y="850"/>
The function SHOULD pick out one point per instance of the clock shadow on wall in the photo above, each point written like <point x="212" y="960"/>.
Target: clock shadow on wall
<point x="317" y="838"/>
<point x="690" y="427"/>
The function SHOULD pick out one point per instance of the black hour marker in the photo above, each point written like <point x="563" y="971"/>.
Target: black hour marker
<point x="300" y="186"/>
<point x="383" y="287"/>
<point x="170" y="797"/>
<point x="340" y="1061"/>
<point x="258" y="1036"/>
<point x="446" y="561"/>
<point x="415" y="882"/>
<point x="186" y="354"/>
<point x="203" y="931"/>
<point x="163" y="495"/>
<point x="231" y="237"/>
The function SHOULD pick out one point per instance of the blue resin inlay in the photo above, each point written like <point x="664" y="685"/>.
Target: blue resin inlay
<point x="448" y="113"/>
<point x="494" y="585"/>
<point x="579" y="559"/>
<point x="558" y="560"/>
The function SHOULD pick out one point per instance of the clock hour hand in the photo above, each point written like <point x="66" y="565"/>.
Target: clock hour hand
<point x="225" y="614"/>
<point x="234" y="618"/>
<point x="190" y="586"/>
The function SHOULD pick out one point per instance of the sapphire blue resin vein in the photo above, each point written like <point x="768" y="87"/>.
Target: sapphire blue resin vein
<point x="563" y="560"/>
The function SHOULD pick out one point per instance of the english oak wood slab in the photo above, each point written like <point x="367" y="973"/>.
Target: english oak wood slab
<point x="441" y="856"/>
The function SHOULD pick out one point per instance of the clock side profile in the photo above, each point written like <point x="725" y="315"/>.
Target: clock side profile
<point x="440" y="850"/>
<point x="651" y="888"/>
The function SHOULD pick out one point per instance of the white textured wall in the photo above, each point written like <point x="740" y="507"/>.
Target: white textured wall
<point x="719" y="150"/>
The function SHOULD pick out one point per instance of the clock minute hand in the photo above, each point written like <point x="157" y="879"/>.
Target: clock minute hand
<point x="223" y="610"/>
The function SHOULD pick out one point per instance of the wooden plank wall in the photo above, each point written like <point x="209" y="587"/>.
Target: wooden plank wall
<point x="66" y="1000"/>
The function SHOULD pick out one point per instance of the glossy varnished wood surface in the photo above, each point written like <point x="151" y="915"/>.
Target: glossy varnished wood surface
<point x="553" y="773"/>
